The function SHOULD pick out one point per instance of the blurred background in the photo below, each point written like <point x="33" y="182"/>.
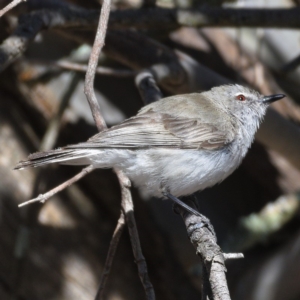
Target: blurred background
<point x="57" y="250"/>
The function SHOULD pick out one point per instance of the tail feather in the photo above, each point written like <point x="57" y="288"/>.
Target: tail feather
<point x="61" y="155"/>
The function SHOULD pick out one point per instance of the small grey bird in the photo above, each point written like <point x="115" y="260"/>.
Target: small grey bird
<point x="175" y="146"/>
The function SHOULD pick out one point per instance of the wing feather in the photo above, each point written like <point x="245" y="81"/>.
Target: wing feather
<point x="154" y="129"/>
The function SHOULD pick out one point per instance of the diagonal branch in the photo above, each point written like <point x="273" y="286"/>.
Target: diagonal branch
<point x="10" y="6"/>
<point x="69" y="65"/>
<point x="111" y="255"/>
<point x="43" y="197"/>
<point x="92" y="66"/>
<point x="203" y="237"/>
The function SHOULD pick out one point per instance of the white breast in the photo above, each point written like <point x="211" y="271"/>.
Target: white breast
<point x="181" y="172"/>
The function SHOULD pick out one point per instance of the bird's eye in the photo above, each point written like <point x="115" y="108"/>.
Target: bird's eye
<point x="240" y="97"/>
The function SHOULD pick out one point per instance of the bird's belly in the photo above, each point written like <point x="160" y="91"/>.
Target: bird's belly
<point x="180" y="172"/>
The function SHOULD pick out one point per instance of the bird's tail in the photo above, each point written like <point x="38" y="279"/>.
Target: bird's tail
<point x="61" y="155"/>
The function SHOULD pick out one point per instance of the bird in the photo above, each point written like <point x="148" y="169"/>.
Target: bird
<point x="176" y="146"/>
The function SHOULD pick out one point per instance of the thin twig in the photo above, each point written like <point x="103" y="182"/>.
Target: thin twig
<point x="92" y="66"/>
<point x="79" y="67"/>
<point x="43" y="197"/>
<point x="127" y="206"/>
<point x="205" y="242"/>
<point x="99" y="70"/>
<point x="111" y="254"/>
<point x="233" y="255"/>
<point x="10" y="6"/>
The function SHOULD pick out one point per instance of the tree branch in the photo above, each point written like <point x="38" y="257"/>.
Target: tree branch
<point x="203" y="237"/>
<point x="126" y="203"/>
<point x="43" y="197"/>
<point x="93" y="63"/>
<point x="111" y="254"/>
<point x="127" y="207"/>
<point x="68" y="65"/>
<point x="10" y="6"/>
<point x="67" y="16"/>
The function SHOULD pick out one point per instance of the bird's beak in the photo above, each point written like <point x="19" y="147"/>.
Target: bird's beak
<point x="272" y="98"/>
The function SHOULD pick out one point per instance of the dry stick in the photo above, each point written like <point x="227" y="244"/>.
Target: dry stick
<point x="10" y="6"/>
<point x="49" y="140"/>
<point x="203" y="238"/>
<point x="74" y="66"/>
<point x="43" y="197"/>
<point x="127" y="204"/>
<point x="233" y="255"/>
<point x="99" y="70"/>
<point x="92" y="66"/>
<point x="110" y="255"/>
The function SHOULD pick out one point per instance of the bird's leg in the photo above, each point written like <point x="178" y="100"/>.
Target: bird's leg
<point x="182" y="204"/>
<point x="203" y="222"/>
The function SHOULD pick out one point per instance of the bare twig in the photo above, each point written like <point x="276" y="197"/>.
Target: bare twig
<point x="92" y="66"/>
<point x="10" y="6"/>
<point x="205" y="242"/>
<point x="43" y="197"/>
<point x="110" y="255"/>
<point x="54" y="65"/>
<point x="127" y="204"/>
<point x="233" y="255"/>
<point x="99" y="70"/>
<point x="48" y="142"/>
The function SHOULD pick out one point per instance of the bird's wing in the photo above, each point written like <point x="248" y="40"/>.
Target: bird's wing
<point x="154" y="129"/>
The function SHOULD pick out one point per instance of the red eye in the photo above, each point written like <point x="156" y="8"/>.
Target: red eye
<point x="240" y="97"/>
